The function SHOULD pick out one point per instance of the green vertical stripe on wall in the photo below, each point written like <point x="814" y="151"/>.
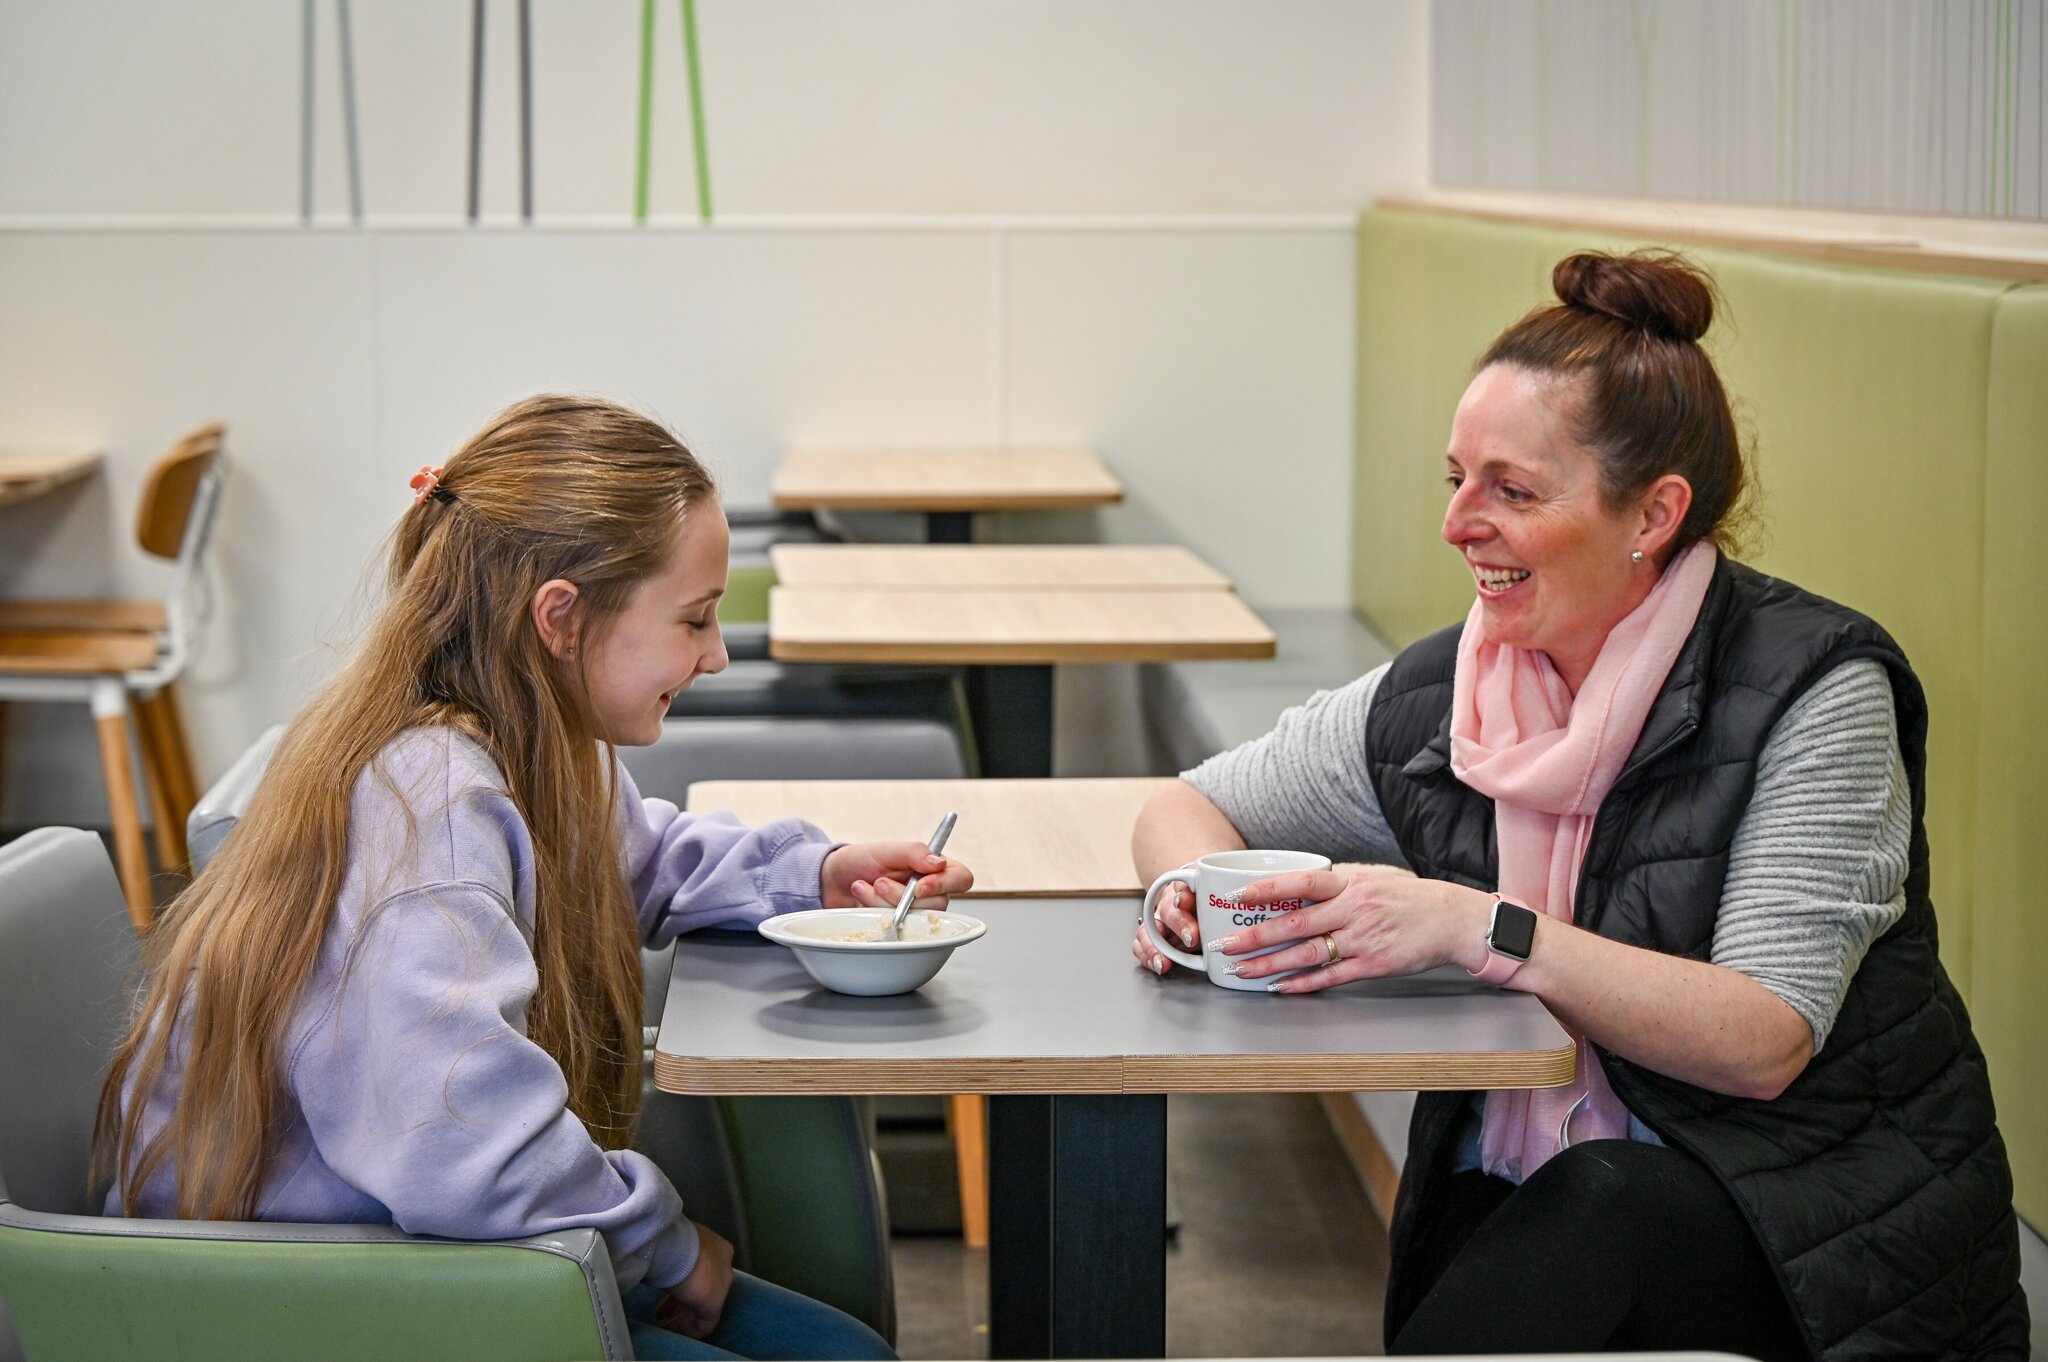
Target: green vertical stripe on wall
<point x="699" y="141"/>
<point x="646" y="110"/>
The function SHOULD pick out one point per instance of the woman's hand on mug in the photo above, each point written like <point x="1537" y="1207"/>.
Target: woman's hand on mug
<point x="1382" y="922"/>
<point x="873" y="874"/>
<point x="1175" y="918"/>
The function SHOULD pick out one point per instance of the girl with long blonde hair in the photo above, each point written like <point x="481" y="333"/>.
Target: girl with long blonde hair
<point x="408" y="988"/>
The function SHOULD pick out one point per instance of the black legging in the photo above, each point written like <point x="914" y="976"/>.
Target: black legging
<point x="1609" y="1244"/>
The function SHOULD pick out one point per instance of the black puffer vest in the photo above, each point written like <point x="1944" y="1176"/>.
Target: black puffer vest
<point x="1877" y="1182"/>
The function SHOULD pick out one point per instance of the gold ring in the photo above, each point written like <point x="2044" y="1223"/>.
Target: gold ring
<point x="1330" y="945"/>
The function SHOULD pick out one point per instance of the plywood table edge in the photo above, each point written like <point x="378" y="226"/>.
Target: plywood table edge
<point x="1351" y="1073"/>
<point x="1017" y="654"/>
<point x="780" y="554"/>
<point x="1113" y="1074"/>
<point x="908" y="1077"/>
<point x="920" y="501"/>
<point x="981" y="783"/>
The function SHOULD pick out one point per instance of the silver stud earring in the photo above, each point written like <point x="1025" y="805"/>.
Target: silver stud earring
<point x="1636" y="557"/>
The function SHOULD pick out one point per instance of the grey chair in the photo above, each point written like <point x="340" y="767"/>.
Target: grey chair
<point x="75" y="1284"/>
<point x="756" y="687"/>
<point x="756" y="529"/>
<point x="788" y="748"/>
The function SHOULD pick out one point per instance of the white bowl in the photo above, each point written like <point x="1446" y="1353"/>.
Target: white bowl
<point x="841" y="947"/>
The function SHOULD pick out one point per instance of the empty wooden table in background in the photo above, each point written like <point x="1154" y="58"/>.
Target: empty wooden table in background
<point x="994" y="567"/>
<point x="1010" y="641"/>
<point x="947" y="485"/>
<point x="30" y="473"/>
<point x="1022" y="838"/>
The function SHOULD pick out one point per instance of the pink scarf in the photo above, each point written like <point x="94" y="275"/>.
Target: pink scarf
<point x="1547" y="760"/>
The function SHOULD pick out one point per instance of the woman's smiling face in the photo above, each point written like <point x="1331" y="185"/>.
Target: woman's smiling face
<point x="1550" y="560"/>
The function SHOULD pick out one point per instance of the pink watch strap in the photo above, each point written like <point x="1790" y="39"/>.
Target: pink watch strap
<point x="1498" y="968"/>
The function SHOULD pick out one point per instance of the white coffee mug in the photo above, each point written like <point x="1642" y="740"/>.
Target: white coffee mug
<point x="1217" y="880"/>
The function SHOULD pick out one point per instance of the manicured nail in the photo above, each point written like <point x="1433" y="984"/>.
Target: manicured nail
<point x="1234" y="968"/>
<point x="1187" y="938"/>
<point x="1278" y="986"/>
<point x="1159" y="965"/>
<point x="1222" y="945"/>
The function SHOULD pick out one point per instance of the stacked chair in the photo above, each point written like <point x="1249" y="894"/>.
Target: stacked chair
<point x="123" y="657"/>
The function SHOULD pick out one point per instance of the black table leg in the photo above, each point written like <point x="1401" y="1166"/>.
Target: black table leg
<point x="1011" y="709"/>
<point x="1077" y="1226"/>
<point x="949" y="527"/>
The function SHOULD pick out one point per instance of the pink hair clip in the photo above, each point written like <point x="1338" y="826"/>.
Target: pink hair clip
<point x="424" y="482"/>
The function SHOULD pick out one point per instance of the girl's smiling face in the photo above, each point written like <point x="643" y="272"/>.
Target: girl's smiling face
<point x="1551" y="561"/>
<point x="664" y="638"/>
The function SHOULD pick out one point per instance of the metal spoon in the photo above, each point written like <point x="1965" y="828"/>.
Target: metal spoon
<point x="936" y="845"/>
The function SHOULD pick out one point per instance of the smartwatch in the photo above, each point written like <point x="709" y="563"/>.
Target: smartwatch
<point x="1509" y="938"/>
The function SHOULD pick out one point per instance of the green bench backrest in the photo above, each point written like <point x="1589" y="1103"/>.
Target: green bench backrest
<point x="1898" y="421"/>
<point x="2011" y="844"/>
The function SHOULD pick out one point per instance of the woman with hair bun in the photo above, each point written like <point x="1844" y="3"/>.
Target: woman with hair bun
<point x="1680" y="802"/>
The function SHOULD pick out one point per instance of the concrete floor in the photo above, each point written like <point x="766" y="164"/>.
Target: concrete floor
<point x="1277" y="1255"/>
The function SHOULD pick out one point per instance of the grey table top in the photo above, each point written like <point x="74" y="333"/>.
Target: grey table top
<point x="1050" y="1001"/>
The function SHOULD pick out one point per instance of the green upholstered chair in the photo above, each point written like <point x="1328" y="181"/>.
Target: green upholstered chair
<point x="79" y="1285"/>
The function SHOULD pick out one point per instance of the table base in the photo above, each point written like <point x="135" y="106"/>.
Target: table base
<point x="1011" y="710"/>
<point x="1077" y="1226"/>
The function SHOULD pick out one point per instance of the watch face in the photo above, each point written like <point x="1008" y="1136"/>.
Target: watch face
<point x="1514" y="930"/>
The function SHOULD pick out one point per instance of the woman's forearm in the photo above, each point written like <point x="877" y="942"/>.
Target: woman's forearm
<point x="1713" y="1027"/>
<point x="1177" y="825"/>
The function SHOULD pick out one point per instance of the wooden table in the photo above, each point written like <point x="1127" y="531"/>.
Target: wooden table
<point x="1010" y="642"/>
<point x="993" y="567"/>
<point x="1078" y="1049"/>
<point x="948" y="485"/>
<point x="27" y="473"/>
<point x="1023" y="838"/>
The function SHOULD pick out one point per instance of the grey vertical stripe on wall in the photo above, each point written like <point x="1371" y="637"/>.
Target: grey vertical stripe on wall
<point x="1920" y="106"/>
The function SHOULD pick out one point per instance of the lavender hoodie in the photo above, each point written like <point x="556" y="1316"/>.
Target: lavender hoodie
<point x="413" y="1096"/>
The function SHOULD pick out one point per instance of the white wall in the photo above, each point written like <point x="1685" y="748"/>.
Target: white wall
<point x="812" y="106"/>
<point x="1189" y="312"/>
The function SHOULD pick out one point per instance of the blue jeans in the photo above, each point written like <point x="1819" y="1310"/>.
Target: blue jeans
<point x="762" y="1321"/>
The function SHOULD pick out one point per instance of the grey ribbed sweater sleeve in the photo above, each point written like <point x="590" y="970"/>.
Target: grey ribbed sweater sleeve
<point x="1305" y="786"/>
<point x="1817" y="869"/>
